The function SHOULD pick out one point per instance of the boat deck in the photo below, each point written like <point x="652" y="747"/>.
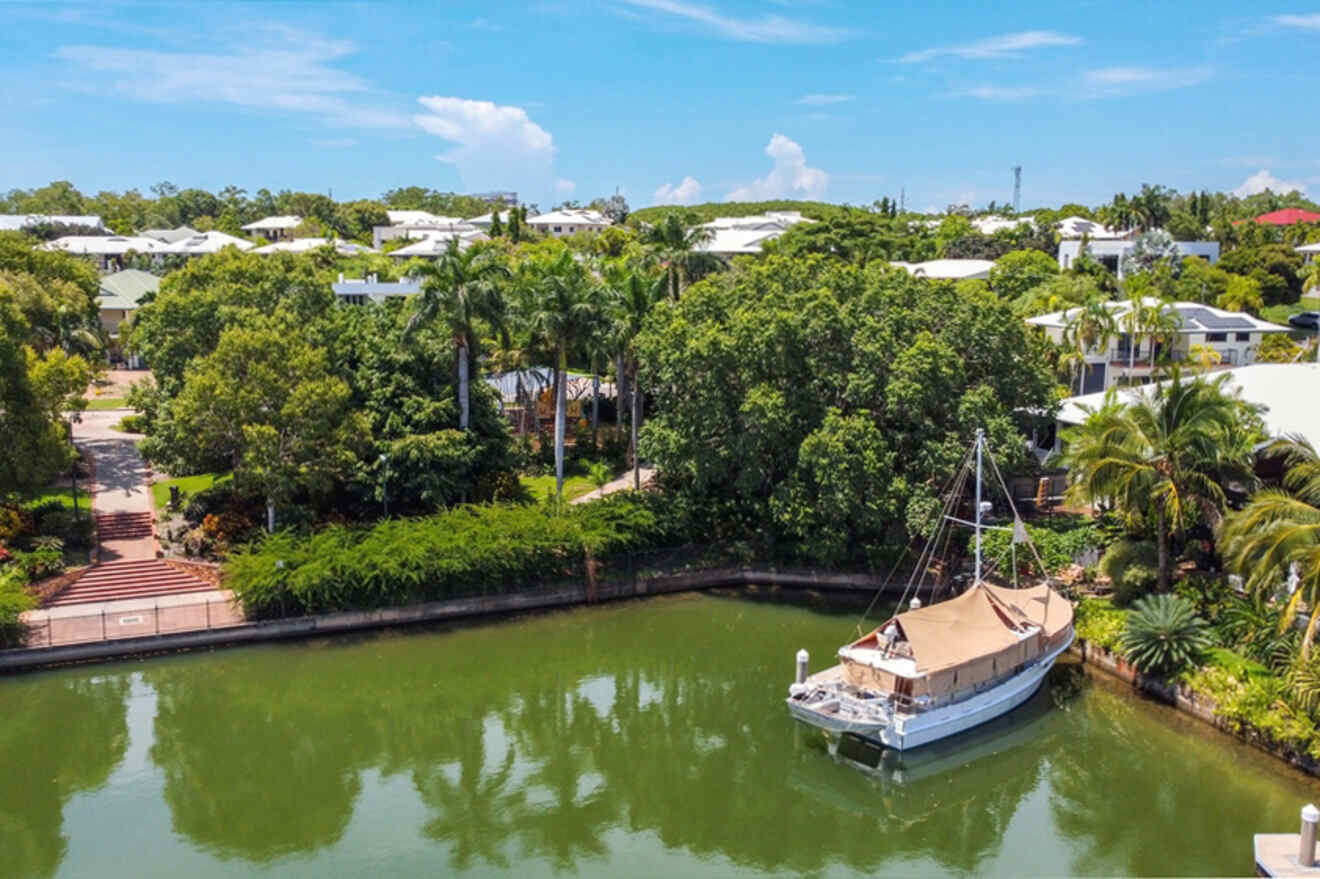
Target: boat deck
<point x="831" y="675"/>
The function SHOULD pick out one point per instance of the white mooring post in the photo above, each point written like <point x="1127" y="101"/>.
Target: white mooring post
<point x="803" y="658"/>
<point x="1306" y="850"/>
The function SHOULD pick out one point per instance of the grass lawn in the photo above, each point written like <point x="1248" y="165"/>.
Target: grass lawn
<point x="160" y="491"/>
<point x="1279" y="313"/>
<point x="543" y="487"/>
<point x="63" y="494"/>
<point x="95" y="403"/>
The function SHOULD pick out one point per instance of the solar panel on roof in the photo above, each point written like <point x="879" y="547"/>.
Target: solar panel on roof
<point x="1207" y="319"/>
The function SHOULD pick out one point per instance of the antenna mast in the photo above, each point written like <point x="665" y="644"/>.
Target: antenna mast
<point x="980" y="441"/>
<point x="1017" y="188"/>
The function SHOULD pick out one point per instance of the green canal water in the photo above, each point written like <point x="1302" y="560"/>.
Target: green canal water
<point x="638" y="739"/>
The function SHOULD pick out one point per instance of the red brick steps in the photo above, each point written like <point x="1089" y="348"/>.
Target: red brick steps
<point x="114" y="581"/>
<point x="122" y="526"/>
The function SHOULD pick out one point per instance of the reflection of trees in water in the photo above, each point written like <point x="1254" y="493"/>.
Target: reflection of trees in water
<point x="63" y="734"/>
<point x="1123" y="787"/>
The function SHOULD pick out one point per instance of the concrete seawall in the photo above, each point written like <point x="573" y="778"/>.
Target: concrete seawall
<point x="436" y="611"/>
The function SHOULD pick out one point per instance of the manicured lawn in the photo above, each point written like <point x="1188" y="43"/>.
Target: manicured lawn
<point x="160" y="491"/>
<point x="542" y="487"/>
<point x="1279" y="313"/>
<point x="95" y="403"/>
<point x="63" y="494"/>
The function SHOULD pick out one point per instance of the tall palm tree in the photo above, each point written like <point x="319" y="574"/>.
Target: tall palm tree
<point x="1090" y="326"/>
<point x="633" y="294"/>
<point x="675" y="246"/>
<point x="461" y="288"/>
<point x="563" y="310"/>
<point x="1278" y="534"/>
<point x="1166" y="454"/>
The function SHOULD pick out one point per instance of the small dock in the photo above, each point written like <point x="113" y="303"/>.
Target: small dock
<point x="1289" y="854"/>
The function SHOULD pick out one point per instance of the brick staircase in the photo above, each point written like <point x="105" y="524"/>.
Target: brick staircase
<point x="112" y="581"/>
<point x="122" y="526"/>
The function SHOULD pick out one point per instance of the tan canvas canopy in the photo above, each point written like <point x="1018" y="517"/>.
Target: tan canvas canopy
<point x="1039" y="604"/>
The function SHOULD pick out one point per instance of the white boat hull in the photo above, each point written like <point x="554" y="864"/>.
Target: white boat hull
<point x="906" y="731"/>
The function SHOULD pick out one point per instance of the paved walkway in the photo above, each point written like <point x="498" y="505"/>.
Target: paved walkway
<point x="120" y="482"/>
<point x="623" y="483"/>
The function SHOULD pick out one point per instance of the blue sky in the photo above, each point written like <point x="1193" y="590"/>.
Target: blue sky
<point x="669" y="100"/>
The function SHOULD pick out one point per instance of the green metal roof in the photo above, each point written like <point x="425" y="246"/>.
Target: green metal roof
<point x="124" y="289"/>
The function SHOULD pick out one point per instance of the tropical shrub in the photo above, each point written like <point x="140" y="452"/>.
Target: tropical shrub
<point x="468" y="550"/>
<point x="1058" y="547"/>
<point x="1098" y="622"/>
<point x="1132" y="566"/>
<point x="1257" y="627"/>
<point x="14" y="599"/>
<point x="1164" y="635"/>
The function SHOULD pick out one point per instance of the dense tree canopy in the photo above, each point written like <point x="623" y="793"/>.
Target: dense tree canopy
<point x="829" y="402"/>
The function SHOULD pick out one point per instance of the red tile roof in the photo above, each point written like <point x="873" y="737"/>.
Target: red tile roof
<point x="1286" y="217"/>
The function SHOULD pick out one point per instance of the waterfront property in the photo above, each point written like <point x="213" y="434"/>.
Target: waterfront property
<point x="1110" y="253"/>
<point x="632" y="739"/>
<point x="1130" y="358"/>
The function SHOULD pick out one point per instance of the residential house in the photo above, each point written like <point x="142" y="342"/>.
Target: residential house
<point x="990" y="224"/>
<point x="733" y="236"/>
<point x="434" y="244"/>
<point x="1130" y="358"/>
<point x="170" y="236"/>
<point x="949" y="269"/>
<point x="484" y="221"/>
<point x="306" y="245"/>
<point x="1285" y="217"/>
<point x="1110" y="252"/>
<point x="1309" y="251"/>
<point x="568" y="221"/>
<point x="274" y="229"/>
<point x="400" y="217"/>
<point x="106" y="251"/>
<point x="417" y="229"/>
<point x="1076" y="227"/>
<point x="120" y="295"/>
<point x="79" y="222"/>
<point x="203" y="243"/>
<point x="360" y="291"/>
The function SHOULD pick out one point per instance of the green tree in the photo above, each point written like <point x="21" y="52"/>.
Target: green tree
<point x="1163" y="456"/>
<point x="461" y="289"/>
<point x="1015" y="273"/>
<point x="1275" y="539"/>
<point x="1089" y="328"/>
<point x="632" y="295"/>
<point x="1241" y="294"/>
<point x="676" y="246"/>
<point x="1276" y="267"/>
<point x="1164" y="635"/>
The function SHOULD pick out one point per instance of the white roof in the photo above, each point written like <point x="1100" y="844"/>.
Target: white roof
<point x="109" y="245"/>
<point x="1309" y="248"/>
<point x="570" y="217"/>
<point x="207" y="242"/>
<point x="769" y="220"/>
<point x="1075" y="227"/>
<point x="949" y="269"/>
<point x="18" y="222"/>
<point x="992" y="224"/>
<point x="731" y="241"/>
<point x="270" y="224"/>
<point x="436" y="243"/>
<point x="303" y="245"/>
<point x="1287" y="390"/>
<point x="1196" y="318"/>
<point x="487" y="219"/>
<point x="169" y="236"/>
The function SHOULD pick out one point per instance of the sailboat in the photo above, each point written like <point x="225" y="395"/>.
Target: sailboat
<point x="932" y="672"/>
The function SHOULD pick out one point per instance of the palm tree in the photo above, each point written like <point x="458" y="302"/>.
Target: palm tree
<point x="676" y="246"/>
<point x="460" y="288"/>
<point x="1164" y="454"/>
<point x="1089" y="326"/>
<point x="1277" y="535"/>
<point x="633" y="294"/>
<point x="563" y="310"/>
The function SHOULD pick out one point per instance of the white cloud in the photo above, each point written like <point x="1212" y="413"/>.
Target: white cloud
<point x="564" y="186"/>
<point x="791" y="175"/>
<point x="279" y="70"/>
<point x="687" y="191"/>
<point x="1310" y="21"/>
<point x="1000" y="93"/>
<point x="1263" y="180"/>
<point x="1129" y="79"/>
<point x="1003" y="46"/>
<point x="335" y="142"/>
<point x="824" y="100"/>
<point x="495" y="146"/>
<point x="767" y="29"/>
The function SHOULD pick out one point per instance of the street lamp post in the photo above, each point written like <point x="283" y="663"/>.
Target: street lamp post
<point x="385" y="483"/>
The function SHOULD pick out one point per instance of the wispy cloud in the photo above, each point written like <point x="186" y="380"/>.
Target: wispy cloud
<point x="1248" y="161"/>
<point x="1310" y="21"/>
<point x="1002" y="46"/>
<point x="1000" y="92"/>
<point x="824" y="100"/>
<point x="335" y="142"/>
<point x="1263" y="180"/>
<point x="281" y="69"/>
<point x="1104" y="82"/>
<point x="764" y="29"/>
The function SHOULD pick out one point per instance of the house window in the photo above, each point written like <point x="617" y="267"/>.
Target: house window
<point x="559" y="228"/>
<point x="1242" y="337"/>
<point x="1216" y="337"/>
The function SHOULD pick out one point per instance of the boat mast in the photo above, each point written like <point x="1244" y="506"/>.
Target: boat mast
<point x="980" y="440"/>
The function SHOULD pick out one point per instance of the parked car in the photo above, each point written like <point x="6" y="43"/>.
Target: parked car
<point x="1305" y="320"/>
